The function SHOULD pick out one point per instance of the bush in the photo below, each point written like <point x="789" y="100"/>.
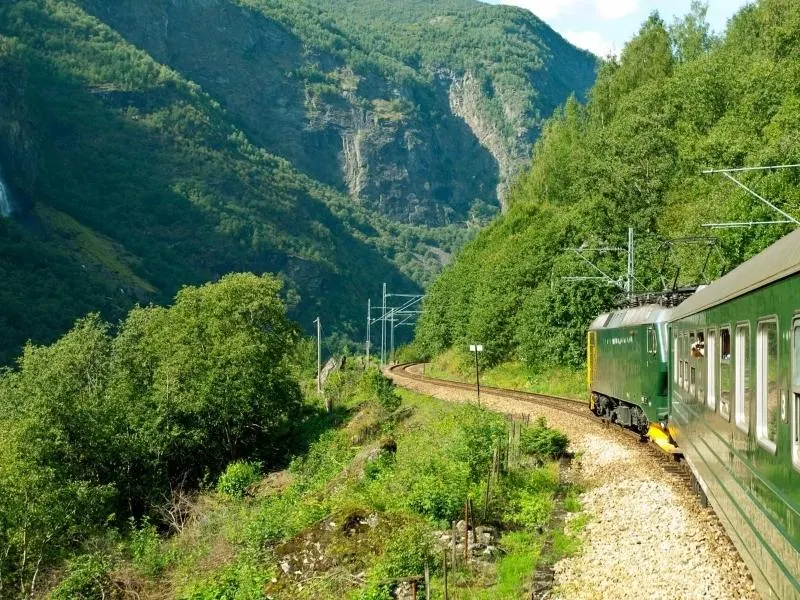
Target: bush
<point x="146" y="549"/>
<point x="406" y="552"/>
<point x="482" y="432"/>
<point x="528" y="496"/>
<point x="86" y="579"/>
<point x="531" y="509"/>
<point x="380" y="389"/>
<point x="242" y="581"/>
<point x="376" y="592"/>
<point x="543" y="442"/>
<point x="439" y="488"/>
<point x="238" y="476"/>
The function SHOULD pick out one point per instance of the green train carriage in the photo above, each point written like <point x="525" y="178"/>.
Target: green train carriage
<point x="735" y="408"/>
<point x="627" y="357"/>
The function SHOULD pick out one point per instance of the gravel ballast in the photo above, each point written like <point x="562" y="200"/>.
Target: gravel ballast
<point x="647" y="535"/>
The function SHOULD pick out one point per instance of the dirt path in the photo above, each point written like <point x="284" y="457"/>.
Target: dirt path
<point x="647" y="536"/>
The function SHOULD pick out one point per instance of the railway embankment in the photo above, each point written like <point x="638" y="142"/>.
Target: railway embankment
<point x="646" y="535"/>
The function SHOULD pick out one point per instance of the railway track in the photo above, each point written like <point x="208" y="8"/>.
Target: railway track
<point x="569" y="405"/>
<point x="670" y="461"/>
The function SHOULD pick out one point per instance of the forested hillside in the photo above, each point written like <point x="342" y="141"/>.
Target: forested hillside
<point x="676" y="102"/>
<point x="146" y="145"/>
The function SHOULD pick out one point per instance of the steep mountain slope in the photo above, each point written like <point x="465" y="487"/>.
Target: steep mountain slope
<point x="127" y="181"/>
<point x="381" y="100"/>
<point x="148" y="144"/>
<point x="677" y="102"/>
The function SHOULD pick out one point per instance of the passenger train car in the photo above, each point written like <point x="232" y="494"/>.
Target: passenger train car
<point x="731" y="356"/>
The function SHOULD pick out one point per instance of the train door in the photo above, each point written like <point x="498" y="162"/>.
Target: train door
<point x="795" y="416"/>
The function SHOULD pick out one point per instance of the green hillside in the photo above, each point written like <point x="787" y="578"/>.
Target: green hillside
<point x="677" y="101"/>
<point x="147" y="145"/>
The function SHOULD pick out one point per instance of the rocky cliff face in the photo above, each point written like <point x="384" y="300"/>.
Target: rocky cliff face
<point x="510" y="153"/>
<point x="421" y="151"/>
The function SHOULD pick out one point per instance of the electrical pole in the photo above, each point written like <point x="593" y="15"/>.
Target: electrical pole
<point x="369" y="324"/>
<point x="629" y="277"/>
<point x="383" y="327"/>
<point x="319" y="355"/>
<point x="391" y="337"/>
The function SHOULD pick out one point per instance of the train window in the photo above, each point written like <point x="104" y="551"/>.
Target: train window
<point x="796" y="351"/>
<point x="725" y="373"/>
<point x="675" y="359"/>
<point x="768" y="394"/>
<point x="711" y="381"/>
<point x="692" y="383"/>
<point x="795" y="395"/>
<point x="725" y="344"/>
<point x="796" y="431"/>
<point x="743" y="377"/>
<point x="652" y="345"/>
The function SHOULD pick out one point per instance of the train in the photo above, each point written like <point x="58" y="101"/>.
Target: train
<point x="716" y="381"/>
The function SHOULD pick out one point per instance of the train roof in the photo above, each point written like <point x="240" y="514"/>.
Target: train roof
<point x="780" y="260"/>
<point x="626" y="317"/>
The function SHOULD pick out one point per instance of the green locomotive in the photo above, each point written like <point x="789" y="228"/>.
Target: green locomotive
<point x="722" y="380"/>
<point x="627" y="358"/>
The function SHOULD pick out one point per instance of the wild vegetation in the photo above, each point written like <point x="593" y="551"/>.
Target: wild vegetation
<point x="132" y="461"/>
<point x="678" y="100"/>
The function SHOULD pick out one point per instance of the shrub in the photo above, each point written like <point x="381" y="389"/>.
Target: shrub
<point x="380" y="389"/>
<point x="406" y="552"/>
<point x="146" y="549"/>
<point x="531" y="509"/>
<point x="375" y="592"/>
<point x="238" y="476"/>
<point x="86" y="579"/>
<point x="543" y="442"/>
<point x="482" y="432"/>
<point x="244" y="580"/>
<point x="439" y="488"/>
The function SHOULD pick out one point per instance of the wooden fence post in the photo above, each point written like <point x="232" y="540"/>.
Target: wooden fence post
<point x="427" y="581"/>
<point x="444" y="564"/>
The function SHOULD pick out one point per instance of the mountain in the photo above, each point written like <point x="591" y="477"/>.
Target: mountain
<point x="148" y="144"/>
<point x="677" y="102"/>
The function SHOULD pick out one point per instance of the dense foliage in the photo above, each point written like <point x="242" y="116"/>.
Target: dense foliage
<point x="677" y="101"/>
<point x="103" y="424"/>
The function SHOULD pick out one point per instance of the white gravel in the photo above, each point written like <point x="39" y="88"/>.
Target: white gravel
<point x="646" y="536"/>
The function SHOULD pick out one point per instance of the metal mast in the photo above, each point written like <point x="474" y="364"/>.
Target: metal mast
<point x="369" y="324"/>
<point x="629" y="277"/>
<point x="383" y="327"/>
<point x="319" y="354"/>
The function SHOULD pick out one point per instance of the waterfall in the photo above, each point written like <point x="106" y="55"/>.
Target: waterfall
<point x="5" y="200"/>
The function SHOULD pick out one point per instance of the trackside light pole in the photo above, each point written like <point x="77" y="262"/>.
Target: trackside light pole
<point x="477" y="348"/>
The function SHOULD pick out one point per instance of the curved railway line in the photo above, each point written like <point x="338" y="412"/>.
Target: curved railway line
<point x="669" y="461"/>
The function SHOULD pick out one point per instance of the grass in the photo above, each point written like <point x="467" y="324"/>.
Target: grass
<point x="564" y="382"/>
<point x="440" y="455"/>
<point x="514" y="570"/>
